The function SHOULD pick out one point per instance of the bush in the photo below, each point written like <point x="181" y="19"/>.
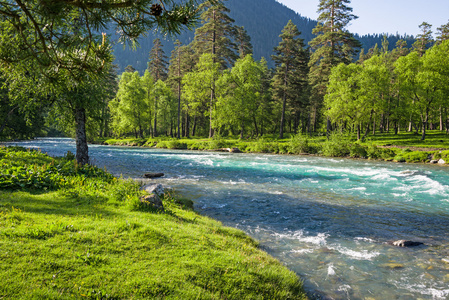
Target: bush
<point x="399" y="158"/>
<point x="299" y="144"/>
<point x="336" y="146"/>
<point x="417" y="156"/>
<point x="357" y="151"/>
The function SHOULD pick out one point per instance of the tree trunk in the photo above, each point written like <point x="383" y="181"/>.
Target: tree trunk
<point x="358" y="132"/>
<point x="155" y="118"/>
<point x="82" y="150"/>
<point x="5" y="122"/>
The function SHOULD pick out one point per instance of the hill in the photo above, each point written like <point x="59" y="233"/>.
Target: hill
<point x="263" y="20"/>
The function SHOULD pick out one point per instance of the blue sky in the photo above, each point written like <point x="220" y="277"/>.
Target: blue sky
<point x="385" y="16"/>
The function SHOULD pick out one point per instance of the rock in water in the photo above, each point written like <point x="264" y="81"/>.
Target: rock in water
<point x="404" y="243"/>
<point x="153" y="175"/>
<point x="154" y="188"/>
<point x="235" y="150"/>
<point x="153" y="201"/>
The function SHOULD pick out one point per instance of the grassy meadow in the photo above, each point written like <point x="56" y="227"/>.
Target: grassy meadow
<point x="71" y="232"/>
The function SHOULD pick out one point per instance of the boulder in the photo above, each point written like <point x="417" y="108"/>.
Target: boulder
<point x="392" y="265"/>
<point x="441" y="161"/>
<point x="153" y="175"/>
<point x="434" y="161"/>
<point x="235" y="150"/>
<point x="153" y="201"/>
<point x="404" y="243"/>
<point x="154" y="188"/>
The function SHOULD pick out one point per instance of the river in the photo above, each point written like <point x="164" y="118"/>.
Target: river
<point x="329" y="220"/>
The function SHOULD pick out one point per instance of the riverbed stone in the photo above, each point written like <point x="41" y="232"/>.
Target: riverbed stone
<point x="404" y="243"/>
<point x="434" y="161"/>
<point x="153" y="175"/>
<point x="393" y="265"/>
<point x="152" y="201"/>
<point x="235" y="150"/>
<point x="441" y="161"/>
<point x="446" y="260"/>
<point x="154" y="188"/>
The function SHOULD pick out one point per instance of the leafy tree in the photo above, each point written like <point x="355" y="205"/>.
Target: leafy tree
<point x="290" y="81"/>
<point x="197" y="86"/>
<point x="148" y="86"/>
<point x="60" y="43"/>
<point x="240" y="95"/>
<point x="158" y="61"/>
<point x="130" y="107"/>
<point x="332" y="45"/>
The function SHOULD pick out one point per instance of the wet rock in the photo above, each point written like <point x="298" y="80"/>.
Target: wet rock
<point x="441" y="161"/>
<point x="153" y="175"/>
<point x="446" y="260"/>
<point x="154" y="188"/>
<point x="404" y="243"/>
<point x="434" y="161"/>
<point x="235" y="150"/>
<point x="392" y="265"/>
<point x="153" y="201"/>
<point x="446" y="278"/>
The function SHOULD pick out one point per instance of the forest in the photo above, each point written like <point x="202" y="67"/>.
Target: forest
<point x="213" y="86"/>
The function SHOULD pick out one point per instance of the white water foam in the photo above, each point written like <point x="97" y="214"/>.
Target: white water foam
<point x="319" y="239"/>
<point x="359" y="255"/>
<point x="435" y="293"/>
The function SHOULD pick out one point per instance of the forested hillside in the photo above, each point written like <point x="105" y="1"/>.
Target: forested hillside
<point x="262" y="19"/>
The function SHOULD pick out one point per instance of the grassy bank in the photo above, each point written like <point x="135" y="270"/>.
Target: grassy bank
<point x="404" y="147"/>
<point x="70" y="232"/>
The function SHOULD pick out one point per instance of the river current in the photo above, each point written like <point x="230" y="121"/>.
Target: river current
<point x="329" y="220"/>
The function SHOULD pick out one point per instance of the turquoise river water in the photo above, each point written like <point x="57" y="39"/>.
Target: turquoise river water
<point x="329" y="220"/>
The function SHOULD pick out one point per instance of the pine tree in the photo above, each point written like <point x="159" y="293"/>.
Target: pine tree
<point x="217" y="34"/>
<point x="290" y="81"/>
<point x="332" y="45"/>
<point x="181" y="62"/>
<point x="158" y="61"/>
<point x="423" y="40"/>
<point x="443" y="33"/>
<point x="243" y="41"/>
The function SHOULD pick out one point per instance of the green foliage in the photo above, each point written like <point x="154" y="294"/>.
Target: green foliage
<point x="299" y="144"/>
<point x="336" y="146"/>
<point x="357" y="151"/>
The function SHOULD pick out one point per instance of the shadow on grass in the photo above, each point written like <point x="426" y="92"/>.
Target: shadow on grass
<point x="55" y="203"/>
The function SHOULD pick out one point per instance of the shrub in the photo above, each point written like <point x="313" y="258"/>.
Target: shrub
<point x="299" y="144"/>
<point x="336" y="146"/>
<point x="399" y="158"/>
<point x="357" y="151"/>
<point x="417" y="156"/>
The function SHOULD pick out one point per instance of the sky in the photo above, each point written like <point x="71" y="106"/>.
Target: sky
<point x="384" y="16"/>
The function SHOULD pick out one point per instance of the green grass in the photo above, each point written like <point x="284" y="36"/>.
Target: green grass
<point x="90" y="238"/>
<point x="385" y="146"/>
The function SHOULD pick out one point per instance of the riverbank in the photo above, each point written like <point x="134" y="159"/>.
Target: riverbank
<point x="405" y="147"/>
<point x="72" y="232"/>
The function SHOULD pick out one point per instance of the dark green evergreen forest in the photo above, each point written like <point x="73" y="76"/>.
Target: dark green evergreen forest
<point x="262" y="19"/>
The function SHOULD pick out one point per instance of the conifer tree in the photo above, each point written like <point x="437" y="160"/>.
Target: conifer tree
<point x="423" y="40"/>
<point x="217" y="34"/>
<point x="443" y="33"/>
<point x="181" y="62"/>
<point x="290" y="81"/>
<point x="157" y="64"/>
<point x="243" y="41"/>
<point x="332" y="45"/>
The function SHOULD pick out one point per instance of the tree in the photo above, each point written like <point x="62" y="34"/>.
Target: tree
<point x="423" y="40"/>
<point x="130" y="107"/>
<point x="290" y="81"/>
<point x="217" y="34"/>
<point x="332" y="45"/>
<point x="443" y="33"/>
<point x="180" y="63"/>
<point x="60" y="43"/>
<point x="243" y="41"/>
<point x="158" y="61"/>
<point x="240" y="95"/>
<point x="197" y="86"/>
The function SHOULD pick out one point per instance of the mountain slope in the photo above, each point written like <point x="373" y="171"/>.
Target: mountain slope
<point x="263" y="19"/>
